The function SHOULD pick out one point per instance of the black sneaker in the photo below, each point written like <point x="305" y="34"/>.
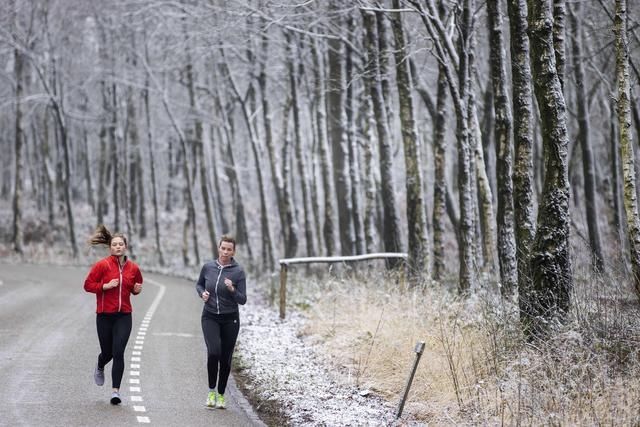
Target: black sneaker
<point x="98" y="375"/>
<point x="115" y="398"/>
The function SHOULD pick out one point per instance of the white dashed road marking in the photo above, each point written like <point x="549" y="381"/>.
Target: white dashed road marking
<point x="137" y="353"/>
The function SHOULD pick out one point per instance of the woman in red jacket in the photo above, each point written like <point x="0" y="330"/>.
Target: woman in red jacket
<point x="113" y="279"/>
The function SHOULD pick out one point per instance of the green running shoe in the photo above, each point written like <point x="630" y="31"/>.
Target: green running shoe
<point x="220" y="403"/>
<point x="211" y="399"/>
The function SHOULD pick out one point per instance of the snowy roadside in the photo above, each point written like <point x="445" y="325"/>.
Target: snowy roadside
<point x="290" y="370"/>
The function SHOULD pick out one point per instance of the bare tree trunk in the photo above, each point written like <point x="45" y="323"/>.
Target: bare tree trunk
<point x="615" y="170"/>
<point x="86" y="155"/>
<point x="384" y="57"/>
<point x="550" y="260"/>
<point x="104" y="157"/>
<point x="291" y="244"/>
<point x="172" y="173"/>
<point x="418" y="250"/>
<point x="113" y="142"/>
<point x="391" y="222"/>
<point x="339" y="144"/>
<point x="199" y="152"/>
<point x="440" y="179"/>
<point x="460" y="89"/>
<point x="370" y="181"/>
<point x="191" y="211"/>
<point x="485" y="196"/>
<point x="584" y="136"/>
<point x="626" y="139"/>
<point x="353" y="166"/>
<point x="265" y="227"/>
<point x="523" y="149"/>
<point x="17" y="238"/>
<point x="300" y="158"/>
<point x="504" y="151"/>
<point x="559" y="46"/>
<point x="328" y="227"/>
<point x="463" y="131"/>
<point x="48" y="171"/>
<point x="152" y="167"/>
<point x="276" y="176"/>
<point x="54" y="98"/>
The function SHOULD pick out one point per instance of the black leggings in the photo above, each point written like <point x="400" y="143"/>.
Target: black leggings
<point x="220" y="334"/>
<point x="113" y="332"/>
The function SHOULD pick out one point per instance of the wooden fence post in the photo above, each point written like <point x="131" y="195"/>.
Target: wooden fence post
<point x="283" y="289"/>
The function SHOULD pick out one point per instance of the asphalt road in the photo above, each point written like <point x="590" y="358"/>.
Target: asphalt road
<point x="49" y="345"/>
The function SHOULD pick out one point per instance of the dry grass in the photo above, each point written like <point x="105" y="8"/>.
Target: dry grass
<point x="476" y="368"/>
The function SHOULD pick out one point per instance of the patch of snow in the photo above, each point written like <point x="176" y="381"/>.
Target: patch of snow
<point x="286" y="367"/>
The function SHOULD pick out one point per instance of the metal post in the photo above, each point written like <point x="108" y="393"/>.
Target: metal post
<point x="283" y="289"/>
<point x="419" y="350"/>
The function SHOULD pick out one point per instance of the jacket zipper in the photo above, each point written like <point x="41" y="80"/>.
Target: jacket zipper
<point x="220" y="267"/>
<point x="120" y="267"/>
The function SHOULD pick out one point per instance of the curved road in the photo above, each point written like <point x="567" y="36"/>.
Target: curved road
<point x="49" y="345"/>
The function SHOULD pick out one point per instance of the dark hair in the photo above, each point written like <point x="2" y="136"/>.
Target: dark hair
<point x="102" y="236"/>
<point x="227" y="238"/>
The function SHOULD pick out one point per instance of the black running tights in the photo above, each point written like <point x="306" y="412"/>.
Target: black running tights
<point x="220" y="334"/>
<point x="113" y="333"/>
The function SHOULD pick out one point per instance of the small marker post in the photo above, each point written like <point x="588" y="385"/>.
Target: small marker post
<point x="419" y="349"/>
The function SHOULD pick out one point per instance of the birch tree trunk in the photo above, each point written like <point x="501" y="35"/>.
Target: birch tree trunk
<point x="584" y="136"/>
<point x="559" y="45"/>
<point x="550" y="259"/>
<point x="440" y="177"/>
<point x="384" y="55"/>
<point x="504" y="151"/>
<point x="626" y="139"/>
<point x="418" y="250"/>
<point x="463" y="129"/>
<point x="523" y="149"/>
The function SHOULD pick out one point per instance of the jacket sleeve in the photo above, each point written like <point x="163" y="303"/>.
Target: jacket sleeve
<point x="201" y="282"/>
<point x="137" y="279"/>
<point x="93" y="282"/>
<point x="240" y="295"/>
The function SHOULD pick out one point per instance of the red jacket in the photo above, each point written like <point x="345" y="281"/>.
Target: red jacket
<point x="117" y="299"/>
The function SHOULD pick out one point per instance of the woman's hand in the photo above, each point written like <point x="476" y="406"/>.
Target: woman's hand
<point x="137" y="287"/>
<point x="113" y="283"/>
<point x="229" y="284"/>
<point x="205" y="296"/>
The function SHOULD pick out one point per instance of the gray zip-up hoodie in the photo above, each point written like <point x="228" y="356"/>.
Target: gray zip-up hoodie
<point x="221" y="300"/>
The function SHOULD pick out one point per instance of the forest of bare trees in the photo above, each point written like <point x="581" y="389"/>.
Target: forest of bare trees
<point x="486" y="139"/>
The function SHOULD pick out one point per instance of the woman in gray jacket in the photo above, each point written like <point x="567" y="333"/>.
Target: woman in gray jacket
<point x="222" y="287"/>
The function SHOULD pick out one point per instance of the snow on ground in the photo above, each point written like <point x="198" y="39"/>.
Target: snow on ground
<point x="288" y="368"/>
